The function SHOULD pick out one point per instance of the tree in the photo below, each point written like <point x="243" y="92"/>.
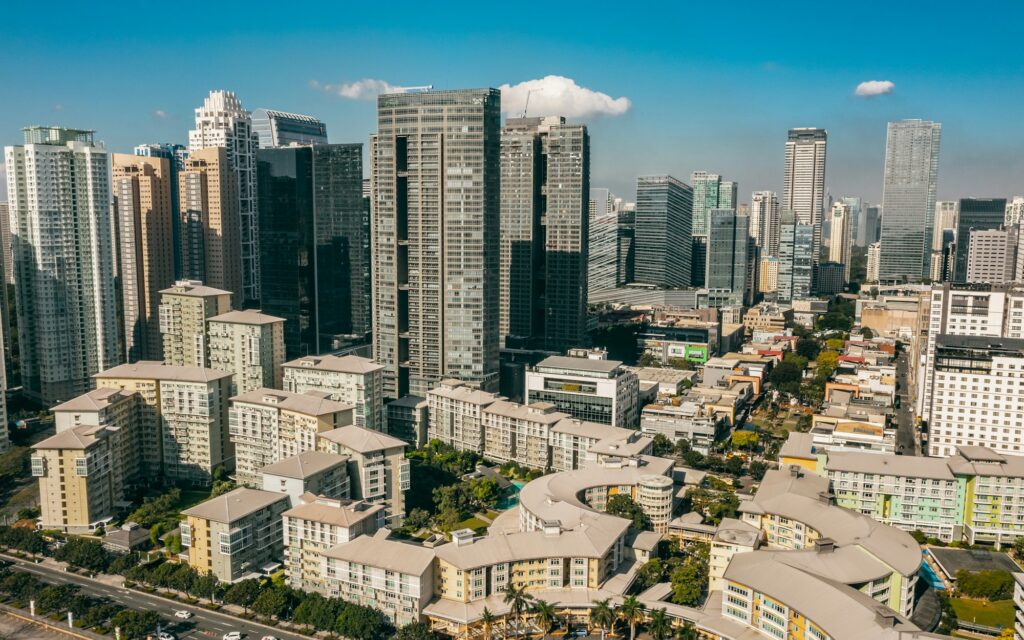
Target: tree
<point x="155" y="510"/>
<point x="87" y="554"/>
<point x="183" y="579"/>
<point x="417" y="518"/>
<point x="206" y="586"/>
<point x="174" y="544"/>
<point x="649" y="360"/>
<point x="659" y="625"/>
<point x="661" y="446"/>
<point x="487" y="621"/>
<point x="992" y="584"/>
<point x="786" y="376"/>
<point x="485" y="492"/>
<point x="744" y="439"/>
<point x="632" y="611"/>
<point x="623" y="506"/>
<point x="734" y="465"/>
<point x="827" y="362"/>
<point x="867" y="333"/>
<point x="808" y="348"/>
<point x="56" y="598"/>
<point x="686" y="632"/>
<point x="681" y="364"/>
<point x="273" y="603"/>
<point x="357" y="621"/>
<point x="243" y="593"/>
<point x="317" y="611"/>
<point x="135" y="624"/>
<point x="650" y="574"/>
<point x="545" y="614"/>
<point x="418" y="631"/>
<point x="757" y="469"/>
<point x="603" y="615"/>
<point x="518" y="601"/>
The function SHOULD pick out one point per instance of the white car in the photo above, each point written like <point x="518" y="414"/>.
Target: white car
<point x="183" y="614"/>
<point x="165" y="635"/>
<point x="268" y="638"/>
<point x="232" y="635"/>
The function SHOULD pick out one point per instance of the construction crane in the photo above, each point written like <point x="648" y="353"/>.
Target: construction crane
<point x="527" y="105"/>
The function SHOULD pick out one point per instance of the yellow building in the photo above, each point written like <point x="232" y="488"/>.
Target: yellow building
<point x="184" y="310"/>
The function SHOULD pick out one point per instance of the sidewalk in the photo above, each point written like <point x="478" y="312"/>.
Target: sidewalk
<point x="17" y="623"/>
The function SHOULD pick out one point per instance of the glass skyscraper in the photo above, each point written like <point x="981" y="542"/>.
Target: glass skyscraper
<point x="908" y="199"/>
<point x="975" y="214"/>
<point x="728" y="235"/>
<point x="279" y="129"/>
<point x="796" y="242"/>
<point x="314" y="243"/>
<point x="664" y="213"/>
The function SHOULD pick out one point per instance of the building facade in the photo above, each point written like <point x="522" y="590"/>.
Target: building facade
<point x="184" y="310"/>
<point x="796" y="266"/>
<point x="727" y="267"/>
<point x="250" y="346"/>
<point x="974" y="214"/>
<point x="351" y="380"/>
<point x="662" y="245"/>
<point x="765" y="221"/>
<point x="378" y="470"/>
<point x="175" y="155"/>
<point x="280" y="128"/>
<point x="803" y="181"/>
<point x="601" y="391"/>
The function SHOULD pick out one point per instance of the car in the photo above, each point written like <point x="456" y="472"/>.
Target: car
<point x="232" y="635"/>
<point x="166" y="635"/>
<point x="183" y="614"/>
<point x="268" y="638"/>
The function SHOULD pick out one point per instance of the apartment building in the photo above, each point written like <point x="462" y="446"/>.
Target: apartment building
<point x="408" y="419"/>
<point x="316" y="472"/>
<point x="183" y="420"/>
<point x="237" y="535"/>
<point x="316" y="524"/>
<point x="456" y="415"/>
<point x="250" y="345"/>
<point x="519" y="433"/>
<point x="85" y="470"/>
<point x="349" y="379"/>
<point x="378" y="470"/>
<point x="685" y="421"/>
<point x="594" y="390"/>
<point x="184" y="310"/>
<point x="768" y="316"/>
<point x="395" y="577"/>
<point x="268" y="425"/>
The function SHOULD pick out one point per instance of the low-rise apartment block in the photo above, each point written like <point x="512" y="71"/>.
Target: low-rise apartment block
<point x="349" y="379"/>
<point x="685" y="421"/>
<point x="249" y="345"/>
<point x="184" y="310"/>
<point x="378" y="470"/>
<point x="317" y="472"/>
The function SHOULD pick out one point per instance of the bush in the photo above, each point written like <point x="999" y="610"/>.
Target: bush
<point x="86" y="554"/>
<point x="991" y="584"/>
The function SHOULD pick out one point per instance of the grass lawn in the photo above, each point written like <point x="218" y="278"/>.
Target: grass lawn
<point x="472" y="523"/>
<point x="993" y="614"/>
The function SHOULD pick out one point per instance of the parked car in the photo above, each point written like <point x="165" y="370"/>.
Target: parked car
<point x="183" y="614"/>
<point x="232" y="635"/>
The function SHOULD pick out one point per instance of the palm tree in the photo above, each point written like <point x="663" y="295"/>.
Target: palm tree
<point x="603" y="615"/>
<point x="686" y="632"/>
<point x="659" y="626"/>
<point x="545" y="613"/>
<point x="518" y="601"/>
<point x="487" y="622"/>
<point x="632" y="611"/>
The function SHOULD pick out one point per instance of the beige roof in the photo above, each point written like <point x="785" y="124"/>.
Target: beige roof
<point x="94" y="400"/>
<point x="235" y="505"/>
<point x="539" y="412"/>
<point x="77" y="438"/>
<point x="340" y="513"/>
<point x="313" y="403"/>
<point x="592" y="430"/>
<point x="249" y="316"/>
<point x="304" y="465"/>
<point x="457" y="390"/>
<point x="889" y="465"/>
<point x="584" y="542"/>
<point x="737" y="532"/>
<point x="155" y="370"/>
<point x="654" y="374"/>
<point x="982" y="461"/>
<point x="340" y="364"/>
<point x="196" y="291"/>
<point x="408" y="401"/>
<point x="378" y="551"/>
<point x="798" y="445"/>
<point x="360" y="439"/>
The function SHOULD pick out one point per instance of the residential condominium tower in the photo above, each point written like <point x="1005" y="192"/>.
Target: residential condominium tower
<point x="280" y="129"/>
<point x="175" y="155"/>
<point x="58" y="185"/>
<point x="222" y="122"/>
<point x="436" y="253"/>
<point x="764" y="221"/>
<point x="545" y="197"/>
<point x="908" y="199"/>
<point x="142" y="203"/>
<point x="803" y="181"/>
<point x="249" y="345"/>
<point x="840" y="242"/>
<point x="796" y="244"/>
<point x="184" y="310"/>
<point x="664" y="212"/>
<point x="355" y="381"/>
<point x="314" y="244"/>
<point x="603" y="252"/>
<point x="974" y="214"/>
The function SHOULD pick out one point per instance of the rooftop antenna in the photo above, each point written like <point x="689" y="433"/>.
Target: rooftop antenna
<point x="527" y="105"/>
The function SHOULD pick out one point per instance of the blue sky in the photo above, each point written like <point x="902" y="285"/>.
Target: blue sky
<point x="710" y="86"/>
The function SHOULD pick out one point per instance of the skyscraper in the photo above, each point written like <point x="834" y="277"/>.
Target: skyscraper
<point x="872" y="224"/>
<point x="209" y="221"/>
<point x="175" y="154"/>
<point x="279" y="128"/>
<point x="796" y="241"/>
<point x="728" y="236"/>
<point x="545" y="197"/>
<point x="627" y="242"/>
<point x="908" y="199"/>
<point x="141" y="189"/>
<point x="946" y="213"/>
<point x="603" y="252"/>
<point x="728" y="195"/>
<point x="1014" y="211"/>
<point x="222" y="122"/>
<point x="840" y="240"/>
<point x="63" y="258"/>
<point x="435" y="172"/>
<point x="764" y="221"/>
<point x="974" y="214"/>
<point x="706" y="188"/>
<point x="803" y="181"/>
<point x="664" y="213"/>
<point x="314" y="245"/>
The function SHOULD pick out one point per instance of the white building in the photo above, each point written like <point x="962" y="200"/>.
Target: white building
<point x="349" y="379"/>
<point x="378" y="470"/>
<point x="992" y="255"/>
<point x="874" y="261"/>
<point x="310" y="472"/>
<point x="687" y="421"/>
<point x="840" y="242"/>
<point x="222" y="122"/>
<point x="249" y="345"/>
<point x="593" y="390"/>
<point x="764" y="222"/>
<point x="58" y="185"/>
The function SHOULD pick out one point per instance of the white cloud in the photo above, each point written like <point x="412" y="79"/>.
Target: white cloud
<point x="560" y="96"/>
<point x="872" y="88"/>
<point x="365" y="89"/>
<point x="160" y="113"/>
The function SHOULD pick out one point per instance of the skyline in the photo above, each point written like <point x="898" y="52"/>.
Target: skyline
<point x="678" y="99"/>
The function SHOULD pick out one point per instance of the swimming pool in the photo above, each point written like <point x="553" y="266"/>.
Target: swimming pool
<point x="929" y="575"/>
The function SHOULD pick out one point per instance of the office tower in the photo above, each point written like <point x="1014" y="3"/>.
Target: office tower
<point x="768" y="275"/>
<point x="728" y="195"/>
<point x="874" y="249"/>
<point x="63" y="256"/>
<point x="946" y="214"/>
<point x="183" y="418"/>
<point x="314" y="244"/>
<point x="764" y="221"/>
<point x="603" y="252"/>
<point x="5" y="242"/>
<point x="545" y="195"/>
<point x="351" y="380"/>
<point x="209" y="221"/>
<point x="1014" y="211"/>
<point x="727" y="254"/>
<point x="184" y="310"/>
<point x="830" y="278"/>
<point x="706" y="188"/>
<point x="803" y="181"/>
<point x="753" y="278"/>
<point x="142" y="203"/>
<point x="857" y="218"/>
<point x="436" y="254"/>
<point x="222" y="122"/>
<point x="908" y="199"/>
<point x="279" y="128"/>
<point x="840" y="242"/>
<point x="600" y="391"/>
<point x="796" y="243"/>
<point x="942" y="260"/>
<point x="627" y="242"/>
<point x="664" y="212"/>
<point x="872" y="224"/>
<point x="249" y="345"/>
<point x="992" y="255"/>
<point x="975" y="214"/>
<point x="175" y="154"/>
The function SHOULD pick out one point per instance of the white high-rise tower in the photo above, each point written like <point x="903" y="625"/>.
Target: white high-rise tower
<point x="803" y="181"/>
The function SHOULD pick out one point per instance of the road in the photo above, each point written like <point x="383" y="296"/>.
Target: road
<point x="907" y="441"/>
<point x="204" y="624"/>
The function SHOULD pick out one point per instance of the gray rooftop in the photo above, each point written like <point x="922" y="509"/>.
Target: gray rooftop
<point x="304" y="465"/>
<point x="249" y="316"/>
<point x="378" y="551"/>
<point x="581" y="364"/>
<point x="314" y="403"/>
<point x="338" y="364"/>
<point x="235" y="505"/>
<point x="156" y="370"/>
<point x="360" y="439"/>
